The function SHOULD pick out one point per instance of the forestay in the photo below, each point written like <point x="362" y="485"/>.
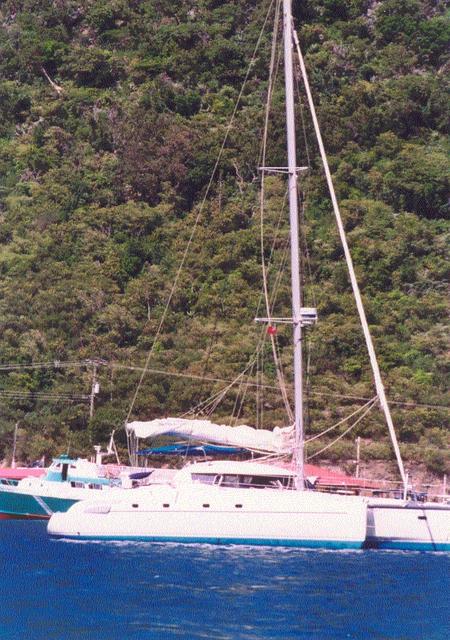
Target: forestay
<point x="279" y="441"/>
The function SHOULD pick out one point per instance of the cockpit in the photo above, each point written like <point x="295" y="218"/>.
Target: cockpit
<point x="244" y="481"/>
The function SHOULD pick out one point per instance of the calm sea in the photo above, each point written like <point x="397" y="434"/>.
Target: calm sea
<point x="65" y="590"/>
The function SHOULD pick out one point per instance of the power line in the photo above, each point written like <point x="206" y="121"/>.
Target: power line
<point x="56" y="364"/>
<point x="42" y="394"/>
<point x="86" y="363"/>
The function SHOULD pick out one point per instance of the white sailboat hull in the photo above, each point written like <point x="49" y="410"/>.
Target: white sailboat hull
<point x="398" y="524"/>
<point x="210" y="514"/>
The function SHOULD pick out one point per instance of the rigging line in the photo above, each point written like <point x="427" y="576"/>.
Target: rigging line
<point x="262" y="199"/>
<point x="263" y="333"/>
<point x="241" y="394"/>
<point x="244" y="385"/>
<point x="309" y="342"/>
<point x="260" y="346"/>
<point x="338" y="424"/>
<point x="211" y="404"/>
<point x="355" y="287"/>
<point x="261" y="341"/>
<point x="344" y="433"/>
<point x="208" y="354"/>
<point x="261" y="406"/>
<point x="200" y="211"/>
<point x="237" y="407"/>
<point x="258" y="395"/>
<point x="262" y="338"/>
<point x="302" y="118"/>
<point x="222" y="392"/>
<point x="308" y="258"/>
<point x="274" y="338"/>
<point x="235" y="410"/>
<point x="259" y="358"/>
<point x="274" y="66"/>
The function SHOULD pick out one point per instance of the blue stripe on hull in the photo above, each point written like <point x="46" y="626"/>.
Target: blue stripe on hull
<point x="309" y="544"/>
<point x="409" y="545"/>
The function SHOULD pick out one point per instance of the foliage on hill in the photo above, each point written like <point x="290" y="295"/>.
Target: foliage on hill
<point x="112" y="113"/>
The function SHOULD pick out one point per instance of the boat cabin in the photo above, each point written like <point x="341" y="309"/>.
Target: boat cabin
<point x="237" y="475"/>
<point x="78" y="472"/>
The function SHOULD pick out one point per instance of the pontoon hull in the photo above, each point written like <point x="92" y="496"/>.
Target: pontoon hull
<point x="409" y="526"/>
<point x="218" y="516"/>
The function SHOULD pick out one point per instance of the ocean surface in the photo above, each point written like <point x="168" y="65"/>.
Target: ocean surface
<point x="61" y="590"/>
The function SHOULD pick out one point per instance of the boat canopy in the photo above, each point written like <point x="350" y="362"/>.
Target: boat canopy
<point x="192" y="450"/>
<point x="279" y="441"/>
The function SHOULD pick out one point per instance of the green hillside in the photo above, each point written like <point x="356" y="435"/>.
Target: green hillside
<point x="112" y="115"/>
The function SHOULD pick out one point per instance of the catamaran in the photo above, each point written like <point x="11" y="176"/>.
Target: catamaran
<point x="237" y="502"/>
<point x="221" y="502"/>
<point x="246" y="502"/>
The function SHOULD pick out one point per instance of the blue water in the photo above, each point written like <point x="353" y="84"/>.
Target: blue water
<point x="61" y="590"/>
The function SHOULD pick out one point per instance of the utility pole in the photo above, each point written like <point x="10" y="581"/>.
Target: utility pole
<point x="13" y="461"/>
<point x="358" y="456"/>
<point x="95" y="388"/>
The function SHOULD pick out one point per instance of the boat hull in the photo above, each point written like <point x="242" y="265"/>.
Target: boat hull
<point x="218" y="516"/>
<point x="36" y="498"/>
<point x="15" y="505"/>
<point x="410" y="526"/>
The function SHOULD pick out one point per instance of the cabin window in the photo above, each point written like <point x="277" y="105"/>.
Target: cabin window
<point x="12" y="483"/>
<point x="233" y="480"/>
<point x="255" y="482"/>
<point x="94" y="485"/>
<point x="77" y="485"/>
<point x="273" y="482"/>
<point x="229" y="480"/>
<point x="204" y="478"/>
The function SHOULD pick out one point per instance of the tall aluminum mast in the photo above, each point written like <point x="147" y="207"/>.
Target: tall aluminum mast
<point x="294" y="230"/>
<point x="355" y="287"/>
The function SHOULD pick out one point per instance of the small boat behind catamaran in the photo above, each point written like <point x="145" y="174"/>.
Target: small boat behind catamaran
<point x="66" y="481"/>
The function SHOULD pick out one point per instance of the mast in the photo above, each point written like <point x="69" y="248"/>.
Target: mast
<point x="294" y="232"/>
<point x="355" y="287"/>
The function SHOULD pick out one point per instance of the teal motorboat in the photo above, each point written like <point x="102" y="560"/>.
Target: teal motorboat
<point x="66" y="481"/>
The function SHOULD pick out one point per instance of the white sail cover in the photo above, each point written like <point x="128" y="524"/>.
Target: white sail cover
<point x="280" y="440"/>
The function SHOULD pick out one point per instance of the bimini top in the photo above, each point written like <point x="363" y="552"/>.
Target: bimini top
<point x="186" y="449"/>
<point x="279" y="441"/>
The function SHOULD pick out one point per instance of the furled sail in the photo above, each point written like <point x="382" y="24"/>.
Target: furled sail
<point x="279" y="441"/>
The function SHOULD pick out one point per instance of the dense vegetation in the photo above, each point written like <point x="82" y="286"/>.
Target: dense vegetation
<point x="112" y="113"/>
